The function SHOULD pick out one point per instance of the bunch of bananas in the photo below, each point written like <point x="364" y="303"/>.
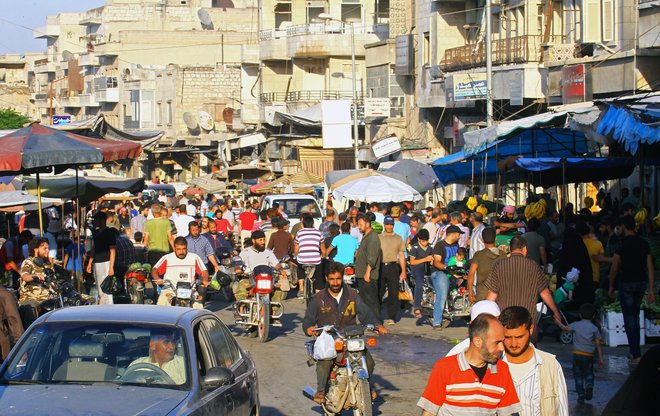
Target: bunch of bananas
<point x="471" y="203"/>
<point x="535" y="210"/>
<point x="641" y="216"/>
<point x="482" y="210"/>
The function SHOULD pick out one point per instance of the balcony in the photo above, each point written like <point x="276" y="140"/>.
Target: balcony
<point x="43" y="66"/>
<point x="318" y="40"/>
<point x="87" y="100"/>
<point x="303" y="96"/>
<point x="70" y="102"/>
<point x="515" y="50"/>
<point x="109" y="95"/>
<point x="88" y="59"/>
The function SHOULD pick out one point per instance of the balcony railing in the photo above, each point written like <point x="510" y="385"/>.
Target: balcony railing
<point x="514" y="50"/>
<point x="323" y="28"/>
<point x="294" y="96"/>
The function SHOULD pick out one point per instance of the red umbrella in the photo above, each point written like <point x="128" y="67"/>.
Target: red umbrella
<point x="36" y="148"/>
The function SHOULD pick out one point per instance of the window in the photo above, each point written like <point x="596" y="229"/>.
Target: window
<point x="169" y="113"/>
<point x="351" y="11"/>
<point x="224" y="349"/>
<point x="608" y="20"/>
<point x="314" y="9"/>
<point x="282" y="13"/>
<point x="159" y="113"/>
<point x="427" y="49"/>
<point x="382" y="14"/>
<point x="140" y="113"/>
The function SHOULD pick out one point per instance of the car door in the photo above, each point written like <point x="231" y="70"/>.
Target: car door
<point x="228" y="355"/>
<point x="211" y="402"/>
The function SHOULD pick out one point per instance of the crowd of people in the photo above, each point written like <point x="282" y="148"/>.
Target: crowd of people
<point x="509" y="259"/>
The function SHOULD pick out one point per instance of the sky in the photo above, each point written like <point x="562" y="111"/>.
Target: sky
<point x="19" y="17"/>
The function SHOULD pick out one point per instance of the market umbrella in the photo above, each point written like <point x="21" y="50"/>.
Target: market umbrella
<point x="89" y="188"/>
<point x="416" y="174"/>
<point x="377" y="189"/>
<point x="36" y="148"/>
<point x="13" y="201"/>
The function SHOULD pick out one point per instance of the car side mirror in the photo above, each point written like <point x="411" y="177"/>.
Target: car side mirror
<point x="217" y="377"/>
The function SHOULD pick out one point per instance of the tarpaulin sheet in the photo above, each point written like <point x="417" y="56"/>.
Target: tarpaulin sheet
<point x="550" y="171"/>
<point x="625" y="128"/>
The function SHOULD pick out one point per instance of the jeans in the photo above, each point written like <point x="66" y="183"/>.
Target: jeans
<point x="583" y="372"/>
<point x="418" y="275"/>
<point x="441" y="285"/>
<point x="630" y="295"/>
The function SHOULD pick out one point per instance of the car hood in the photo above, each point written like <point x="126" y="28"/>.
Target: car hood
<point x="106" y="399"/>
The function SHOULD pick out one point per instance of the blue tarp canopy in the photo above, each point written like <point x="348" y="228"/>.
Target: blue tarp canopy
<point x="550" y="171"/>
<point x="499" y="156"/>
<point x="624" y="127"/>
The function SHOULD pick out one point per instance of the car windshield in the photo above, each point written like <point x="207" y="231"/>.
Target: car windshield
<point x="92" y="352"/>
<point x="295" y="207"/>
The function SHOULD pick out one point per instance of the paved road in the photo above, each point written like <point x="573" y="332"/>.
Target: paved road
<point x="403" y="362"/>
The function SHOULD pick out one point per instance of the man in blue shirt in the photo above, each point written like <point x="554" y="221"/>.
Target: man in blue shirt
<point x="400" y="228"/>
<point x="345" y="244"/>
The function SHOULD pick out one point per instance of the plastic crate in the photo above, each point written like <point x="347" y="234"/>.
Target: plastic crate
<point x="614" y="320"/>
<point x="652" y="328"/>
<point x="617" y="337"/>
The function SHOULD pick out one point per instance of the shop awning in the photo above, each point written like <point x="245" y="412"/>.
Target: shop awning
<point x="550" y="171"/>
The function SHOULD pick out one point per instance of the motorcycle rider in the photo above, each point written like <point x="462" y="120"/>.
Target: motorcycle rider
<point x="178" y="266"/>
<point x="340" y="306"/>
<point x="258" y="255"/>
<point x="32" y="273"/>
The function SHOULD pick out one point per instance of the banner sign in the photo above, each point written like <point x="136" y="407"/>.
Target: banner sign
<point x="386" y="146"/>
<point x="377" y="107"/>
<point x="59" y="120"/>
<point x="469" y="86"/>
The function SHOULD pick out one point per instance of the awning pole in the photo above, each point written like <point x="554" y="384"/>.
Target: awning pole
<point x="563" y="188"/>
<point x="41" y="219"/>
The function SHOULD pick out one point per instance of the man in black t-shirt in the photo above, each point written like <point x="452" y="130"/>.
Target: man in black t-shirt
<point x="633" y="260"/>
<point x="103" y="254"/>
<point x="443" y="251"/>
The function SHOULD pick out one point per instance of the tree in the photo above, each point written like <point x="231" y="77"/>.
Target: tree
<point x="10" y="119"/>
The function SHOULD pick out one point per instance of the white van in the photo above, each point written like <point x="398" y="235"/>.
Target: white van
<point x="293" y="205"/>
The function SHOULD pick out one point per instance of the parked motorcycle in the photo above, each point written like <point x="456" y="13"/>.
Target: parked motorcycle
<point x="257" y="311"/>
<point x="349" y="379"/>
<point x="349" y="275"/>
<point x="290" y="268"/>
<point x="140" y="289"/>
<point x="458" y="301"/>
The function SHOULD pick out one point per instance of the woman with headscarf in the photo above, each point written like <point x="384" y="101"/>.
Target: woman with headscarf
<point x="574" y="254"/>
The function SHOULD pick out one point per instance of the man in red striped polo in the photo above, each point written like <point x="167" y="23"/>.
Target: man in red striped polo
<point x="476" y="381"/>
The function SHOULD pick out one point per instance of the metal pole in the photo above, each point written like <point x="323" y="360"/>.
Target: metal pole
<point x="489" y="68"/>
<point x="355" y="125"/>
<point x="41" y="220"/>
<point x="50" y="106"/>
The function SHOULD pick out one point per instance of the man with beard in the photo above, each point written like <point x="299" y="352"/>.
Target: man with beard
<point x="475" y="381"/>
<point x="537" y="375"/>
<point x="367" y="264"/>
<point x="340" y="306"/>
<point x="179" y="266"/>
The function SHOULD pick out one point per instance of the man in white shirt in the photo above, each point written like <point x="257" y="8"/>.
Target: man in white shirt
<point x="181" y="221"/>
<point x="179" y="266"/>
<point x="163" y="354"/>
<point x="537" y="375"/>
<point x="226" y="213"/>
<point x="432" y="226"/>
<point x="476" y="243"/>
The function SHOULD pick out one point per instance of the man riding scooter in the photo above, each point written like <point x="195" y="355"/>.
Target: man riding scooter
<point x="340" y="306"/>
<point x="179" y="266"/>
<point x="31" y="292"/>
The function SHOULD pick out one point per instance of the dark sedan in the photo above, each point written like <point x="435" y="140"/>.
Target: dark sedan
<point x="128" y="360"/>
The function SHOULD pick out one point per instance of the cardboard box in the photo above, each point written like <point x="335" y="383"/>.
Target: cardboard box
<point x="614" y="320"/>
<point x="617" y="337"/>
<point x="652" y="328"/>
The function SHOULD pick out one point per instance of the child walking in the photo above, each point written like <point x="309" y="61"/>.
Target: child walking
<point x="586" y="341"/>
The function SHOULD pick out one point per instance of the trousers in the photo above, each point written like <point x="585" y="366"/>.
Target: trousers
<point x="630" y="295"/>
<point x="441" y="286"/>
<point x="324" y="367"/>
<point x="100" y="273"/>
<point x="9" y="312"/>
<point x="583" y="372"/>
<point x="389" y="276"/>
<point x="369" y="294"/>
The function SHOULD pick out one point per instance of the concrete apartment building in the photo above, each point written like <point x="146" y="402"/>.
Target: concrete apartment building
<point x="171" y="65"/>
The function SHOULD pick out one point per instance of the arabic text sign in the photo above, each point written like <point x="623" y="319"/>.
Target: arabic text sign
<point x="470" y="86"/>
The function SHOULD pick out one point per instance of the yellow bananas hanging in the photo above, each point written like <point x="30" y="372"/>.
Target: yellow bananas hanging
<point x="482" y="210"/>
<point x="640" y="216"/>
<point x="471" y="203"/>
<point x="535" y="210"/>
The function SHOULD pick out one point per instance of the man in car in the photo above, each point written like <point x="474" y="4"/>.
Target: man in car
<point x="32" y="272"/>
<point x="340" y="306"/>
<point x="162" y="353"/>
<point x="179" y="266"/>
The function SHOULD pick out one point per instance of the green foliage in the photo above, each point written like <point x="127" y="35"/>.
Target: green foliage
<point x="10" y="119"/>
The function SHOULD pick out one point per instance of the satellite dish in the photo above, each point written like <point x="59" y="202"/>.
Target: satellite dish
<point x="205" y="19"/>
<point x="67" y="56"/>
<point x="190" y="120"/>
<point x="205" y="121"/>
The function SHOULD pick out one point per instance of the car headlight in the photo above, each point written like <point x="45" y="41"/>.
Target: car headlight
<point x="355" y="345"/>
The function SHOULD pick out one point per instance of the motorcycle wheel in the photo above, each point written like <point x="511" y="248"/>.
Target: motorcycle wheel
<point x="264" y="322"/>
<point x="566" y="337"/>
<point x="135" y="296"/>
<point x="364" y="399"/>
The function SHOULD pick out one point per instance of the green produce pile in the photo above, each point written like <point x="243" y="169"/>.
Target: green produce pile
<point x="608" y="304"/>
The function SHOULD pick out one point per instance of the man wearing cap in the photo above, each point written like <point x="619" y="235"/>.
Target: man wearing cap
<point x="484" y="306"/>
<point x="443" y="251"/>
<point x="537" y="375"/>
<point x="456" y="220"/>
<point x="393" y="267"/>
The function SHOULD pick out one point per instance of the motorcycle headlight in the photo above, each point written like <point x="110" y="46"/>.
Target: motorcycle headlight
<point x="355" y="345"/>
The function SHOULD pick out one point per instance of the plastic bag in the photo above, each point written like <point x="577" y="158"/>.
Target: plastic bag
<point x="111" y="285"/>
<point x="405" y="293"/>
<point x="324" y="347"/>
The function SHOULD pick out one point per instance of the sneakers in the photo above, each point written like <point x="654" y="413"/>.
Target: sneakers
<point x="388" y="322"/>
<point x="589" y="392"/>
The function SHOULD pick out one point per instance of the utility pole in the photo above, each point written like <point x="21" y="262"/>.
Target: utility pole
<point x="489" y="67"/>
